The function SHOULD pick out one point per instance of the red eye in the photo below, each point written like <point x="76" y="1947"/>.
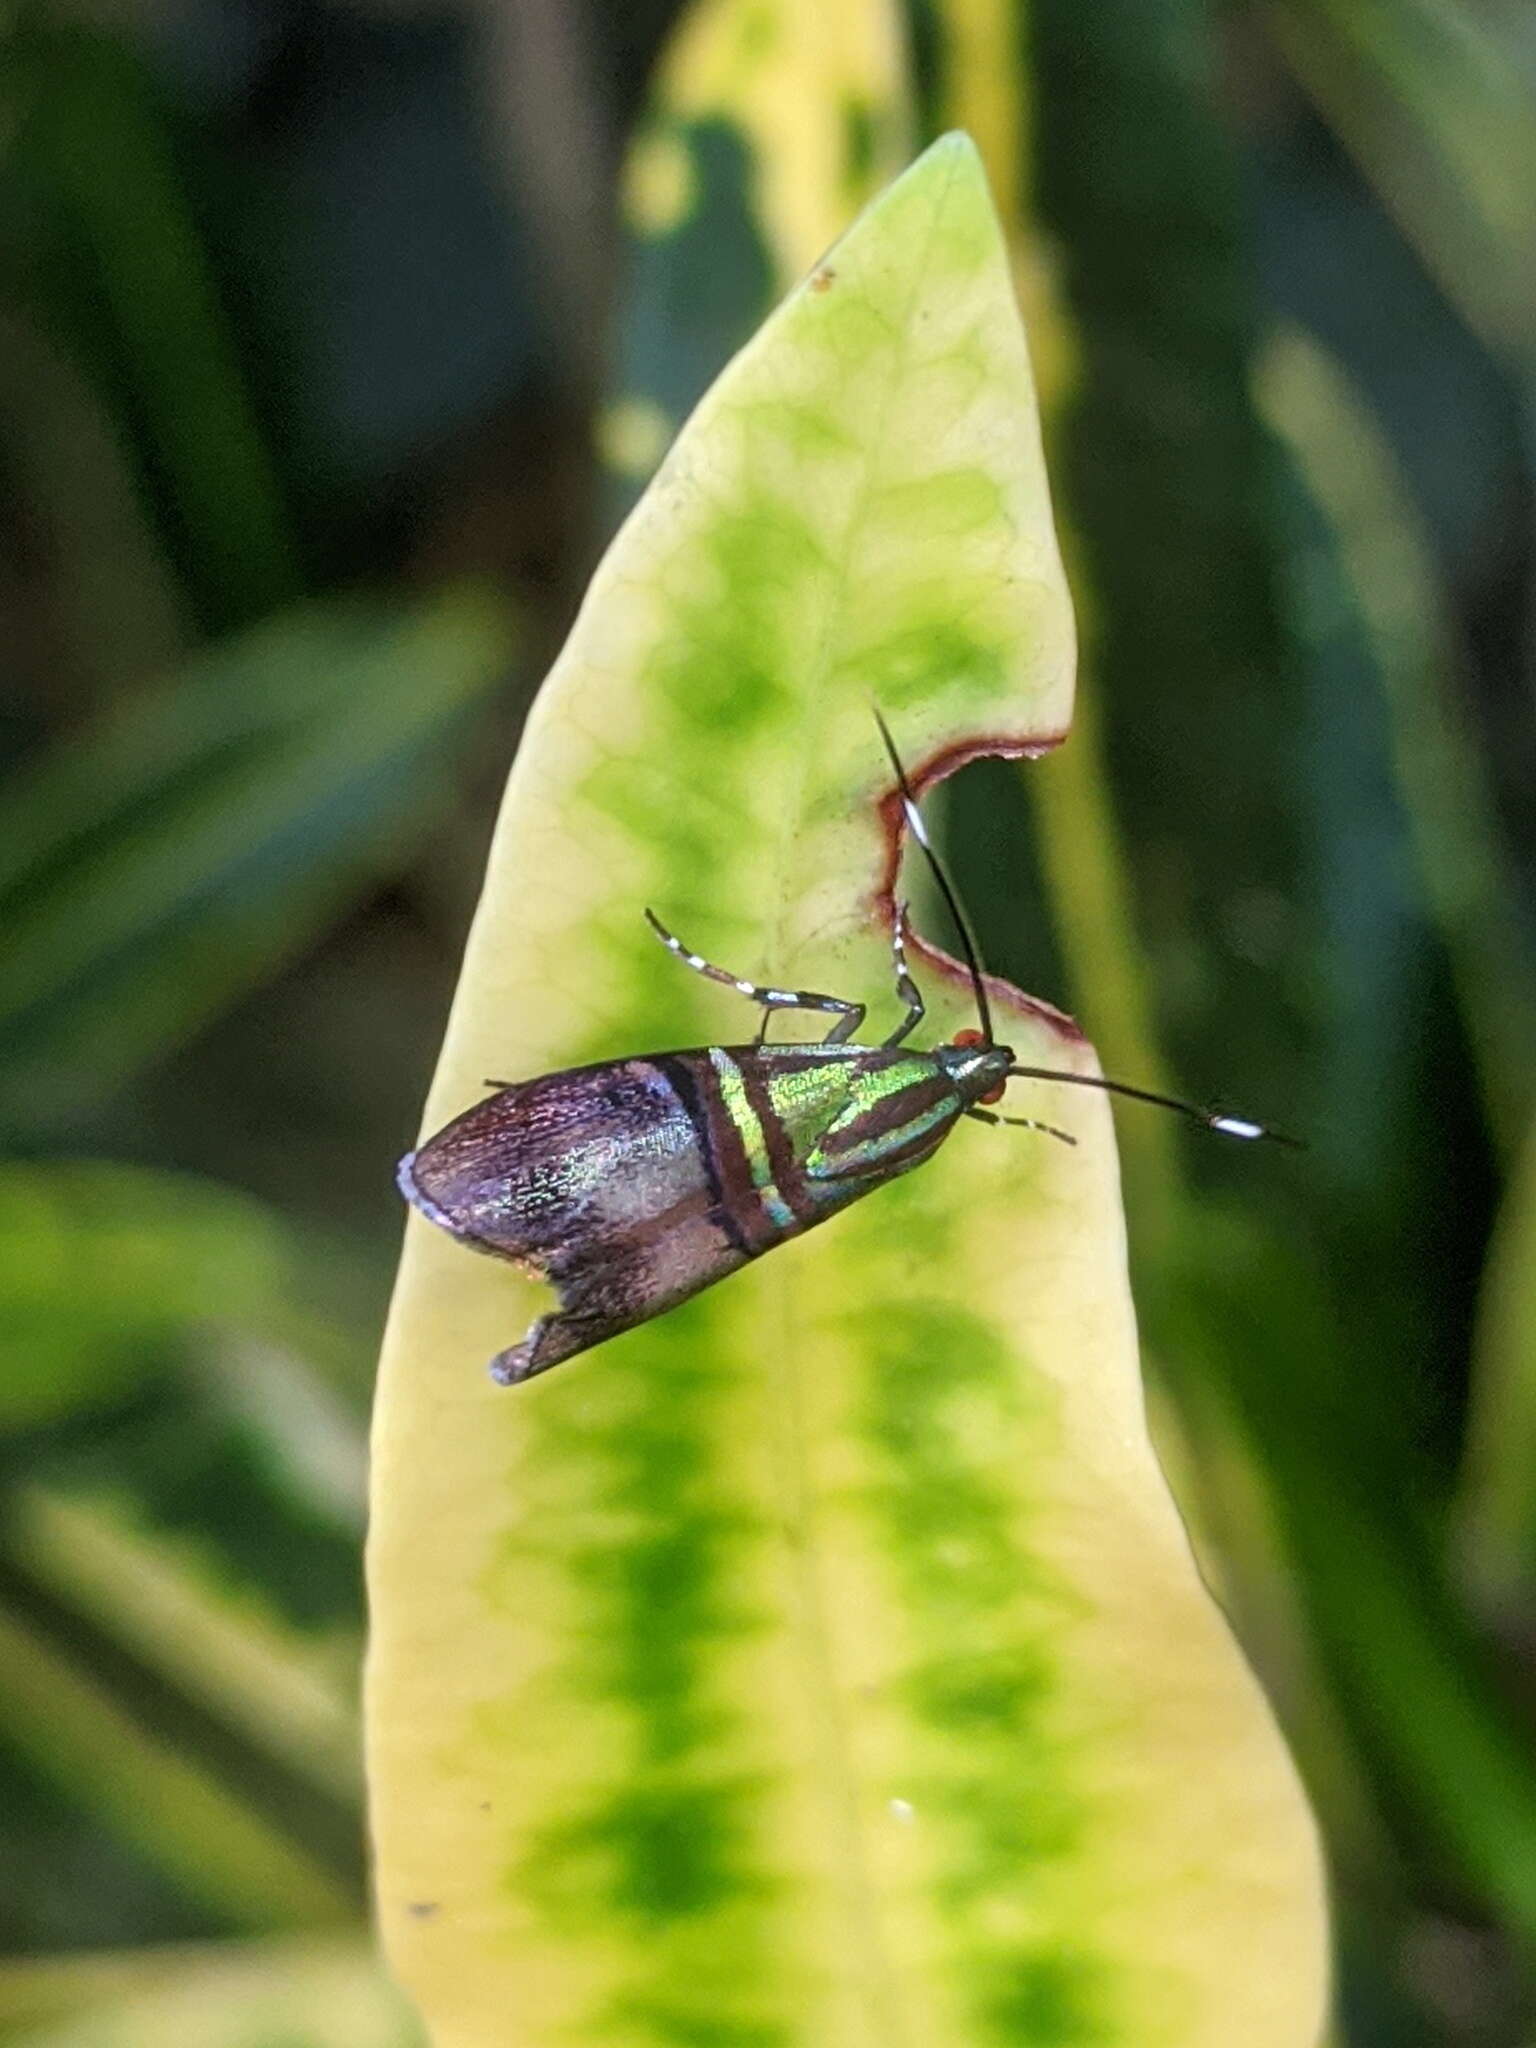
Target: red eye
<point x="970" y="1036"/>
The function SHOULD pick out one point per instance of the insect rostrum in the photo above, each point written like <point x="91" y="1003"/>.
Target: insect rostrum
<point x="632" y="1184"/>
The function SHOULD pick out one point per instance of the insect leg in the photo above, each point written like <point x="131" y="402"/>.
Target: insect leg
<point x="849" y="1015"/>
<point x="1027" y="1123"/>
<point x="906" y="988"/>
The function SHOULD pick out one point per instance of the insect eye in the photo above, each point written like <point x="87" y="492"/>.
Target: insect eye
<point x="970" y="1037"/>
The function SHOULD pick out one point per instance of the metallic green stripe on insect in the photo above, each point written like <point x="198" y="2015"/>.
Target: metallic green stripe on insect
<point x="733" y="1092"/>
<point x="874" y="1152"/>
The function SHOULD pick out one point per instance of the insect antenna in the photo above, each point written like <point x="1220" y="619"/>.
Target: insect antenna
<point x="1212" y="1119"/>
<point x="952" y="903"/>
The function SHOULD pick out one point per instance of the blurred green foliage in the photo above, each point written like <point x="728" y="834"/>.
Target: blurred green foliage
<point x="258" y="690"/>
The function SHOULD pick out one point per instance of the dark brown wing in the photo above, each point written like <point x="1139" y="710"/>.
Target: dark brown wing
<point x="547" y="1164"/>
<point x="604" y="1179"/>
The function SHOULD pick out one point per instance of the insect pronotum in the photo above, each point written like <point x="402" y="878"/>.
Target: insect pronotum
<point x="632" y="1184"/>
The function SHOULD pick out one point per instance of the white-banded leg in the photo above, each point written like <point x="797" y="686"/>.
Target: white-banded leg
<point x="907" y="989"/>
<point x="849" y="1015"/>
<point x="1025" y="1123"/>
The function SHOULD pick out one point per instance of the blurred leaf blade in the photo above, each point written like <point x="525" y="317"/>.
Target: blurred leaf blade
<point x="766" y="128"/>
<point x="1386" y="1605"/>
<point x="218" y="1849"/>
<point x="1468" y="881"/>
<point x="777" y="1794"/>
<point x="124" y="269"/>
<point x="102" y="1264"/>
<point x="1433" y="99"/>
<point x="115" y="605"/>
<point x="301" y="1993"/>
<point x="1496" y="1509"/>
<point x="153" y="868"/>
<point x="818" y="97"/>
<point x="288" y="1693"/>
<point x="1403" y="1653"/>
<point x="983" y="82"/>
<point x="1163" y="471"/>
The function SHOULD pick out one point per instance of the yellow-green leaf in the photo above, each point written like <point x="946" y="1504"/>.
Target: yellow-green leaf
<point x="1444" y="784"/>
<point x="822" y="1664"/>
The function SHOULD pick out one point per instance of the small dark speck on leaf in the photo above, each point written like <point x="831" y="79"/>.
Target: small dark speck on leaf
<point x="421" y="1909"/>
<point x="822" y="280"/>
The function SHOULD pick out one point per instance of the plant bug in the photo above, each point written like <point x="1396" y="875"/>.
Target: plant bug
<point x="632" y="1184"/>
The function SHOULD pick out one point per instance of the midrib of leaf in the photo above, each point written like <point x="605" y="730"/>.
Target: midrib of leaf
<point x="886" y="2018"/>
<point x="783" y="1537"/>
<point x="793" y="1469"/>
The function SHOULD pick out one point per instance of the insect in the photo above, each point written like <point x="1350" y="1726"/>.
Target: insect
<point x="633" y="1184"/>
